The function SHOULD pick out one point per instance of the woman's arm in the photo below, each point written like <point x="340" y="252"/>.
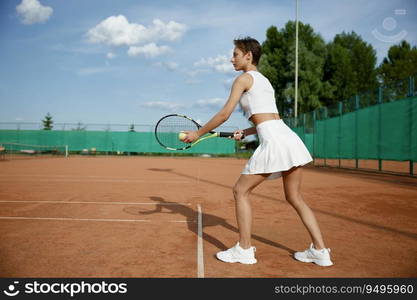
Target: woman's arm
<point x="240" y="85"/>
<point x="249" y="131"/>
<point x="241" y="134"/>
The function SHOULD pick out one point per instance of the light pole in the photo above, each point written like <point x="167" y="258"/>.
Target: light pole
<point x="296" y="64"/>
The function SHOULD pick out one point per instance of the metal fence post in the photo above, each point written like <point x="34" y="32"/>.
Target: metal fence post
<point x="380" y="91"/>
<point x="410" y="112"/>
<point x="356" y="130"/>
<point x="314" y="135"/>
<point x="325" y="133"/>
<point x="304" y="128"/>
<point x="410" y="86"/>
<point x="340" y="131"/>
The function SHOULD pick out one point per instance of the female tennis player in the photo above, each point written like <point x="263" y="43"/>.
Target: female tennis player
<point x="281" y="153"/>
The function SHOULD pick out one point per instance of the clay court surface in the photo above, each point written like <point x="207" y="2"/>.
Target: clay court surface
<point x="139" y="217"/>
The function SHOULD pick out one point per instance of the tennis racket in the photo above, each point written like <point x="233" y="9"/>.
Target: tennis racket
<point x="168" y="128"/>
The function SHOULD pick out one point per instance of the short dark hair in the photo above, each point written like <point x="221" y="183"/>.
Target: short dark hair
<point x="249" y="44"/>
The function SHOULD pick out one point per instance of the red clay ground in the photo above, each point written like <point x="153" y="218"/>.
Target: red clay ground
<point x="137" y="217"/>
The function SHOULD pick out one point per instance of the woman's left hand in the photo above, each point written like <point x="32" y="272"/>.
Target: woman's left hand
<point x="191" y="136"/>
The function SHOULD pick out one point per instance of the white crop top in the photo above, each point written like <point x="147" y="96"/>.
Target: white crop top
<point x="260" y="98"/>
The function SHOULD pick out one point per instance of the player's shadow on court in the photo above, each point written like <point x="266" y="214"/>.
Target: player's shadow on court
<point x="190" y="214"/>
<point x="347" y="218"/>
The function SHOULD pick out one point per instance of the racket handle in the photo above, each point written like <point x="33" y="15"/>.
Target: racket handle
<point x="226" y="134"/>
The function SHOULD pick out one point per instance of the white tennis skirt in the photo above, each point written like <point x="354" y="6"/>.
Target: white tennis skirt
<point x="280" y="149"/>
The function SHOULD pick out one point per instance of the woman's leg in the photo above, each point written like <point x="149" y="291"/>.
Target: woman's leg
<point x="292" y="184"/>
<point x="241" y="191"/>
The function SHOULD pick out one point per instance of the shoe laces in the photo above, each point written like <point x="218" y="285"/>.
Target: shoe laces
<point x="236" y="247"/>
<point x="321" y="250"/>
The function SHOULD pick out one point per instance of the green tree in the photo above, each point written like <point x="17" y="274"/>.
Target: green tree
<point x="400" y="63"/>
<point x="273" y="66"/>
<point x="47" y="122"/>
<point x="395" y="70"/>
<point x="278" y="65"/>
<point x="339" y="72"/>
<point x="350" y="67"/>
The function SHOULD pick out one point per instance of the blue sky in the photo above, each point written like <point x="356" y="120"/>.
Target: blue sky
<point x="130" y="61"/>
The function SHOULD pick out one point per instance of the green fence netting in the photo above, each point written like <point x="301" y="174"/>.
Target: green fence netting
<point x="385" y="131"/>
<point x="109" y="141"/>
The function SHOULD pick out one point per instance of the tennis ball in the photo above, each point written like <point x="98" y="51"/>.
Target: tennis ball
<point x="182" y="136"/>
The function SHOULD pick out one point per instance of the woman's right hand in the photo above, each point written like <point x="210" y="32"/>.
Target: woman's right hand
<point x="238" y="135"/>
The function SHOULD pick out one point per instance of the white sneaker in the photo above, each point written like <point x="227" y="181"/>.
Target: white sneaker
<point x="319" y="257"/>
<point x="238" y="254"/>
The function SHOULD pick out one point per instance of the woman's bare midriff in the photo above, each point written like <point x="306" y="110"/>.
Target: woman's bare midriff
<point x="257" y="119"/>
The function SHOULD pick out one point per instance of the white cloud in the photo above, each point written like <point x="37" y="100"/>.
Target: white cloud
<point x="117" y="31"/>
<point x="163" y="105"/>
<point x="220" y="64"/>
<point x="170" y="31"/>
<point x="170" y="66"/>
<point x="148" y="50"/>
<point x="195" y="72"/>
<point x="32" y="11"/>
<point x="110" y="55"/>
<point x="210" y="104"/>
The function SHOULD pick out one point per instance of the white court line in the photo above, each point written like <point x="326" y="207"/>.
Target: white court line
<point x="200" y="253"/>
<point x="70" y="176"/>
<point x="92" y="202"/>
<point x="97" y="180"/>
<point x="91" y="220"/>
<point x="54" y="175"/>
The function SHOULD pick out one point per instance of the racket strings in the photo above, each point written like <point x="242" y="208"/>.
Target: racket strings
<point x="168" y="129"/>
